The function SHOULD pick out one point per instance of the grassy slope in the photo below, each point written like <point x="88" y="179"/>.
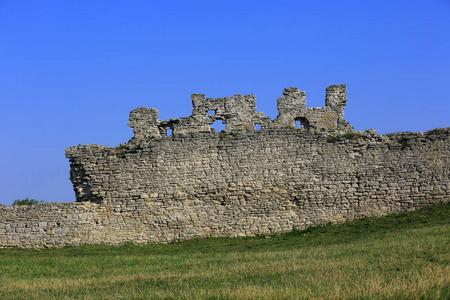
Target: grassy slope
<point x="405" y="256"/>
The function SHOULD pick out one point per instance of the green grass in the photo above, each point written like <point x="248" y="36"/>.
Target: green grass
<point x="401" y="256"/>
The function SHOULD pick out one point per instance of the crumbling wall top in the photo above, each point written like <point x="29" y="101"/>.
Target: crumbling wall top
<point x="239" y="113"/>
<point x="145" y="123"/>
<point x="336" y="97"/>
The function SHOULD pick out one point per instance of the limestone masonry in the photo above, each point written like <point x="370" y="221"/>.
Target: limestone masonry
<point x="178" y="179"/>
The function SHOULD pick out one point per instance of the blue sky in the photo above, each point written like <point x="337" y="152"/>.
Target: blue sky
<point x="71" y="71"/>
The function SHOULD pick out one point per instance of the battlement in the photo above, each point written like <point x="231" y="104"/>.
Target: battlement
<point x="239" y="113"/>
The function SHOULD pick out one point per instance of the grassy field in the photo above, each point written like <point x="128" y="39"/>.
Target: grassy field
<point x="401" y="256"/>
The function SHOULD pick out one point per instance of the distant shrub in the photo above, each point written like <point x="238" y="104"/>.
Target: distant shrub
<point x="26" y="201"/>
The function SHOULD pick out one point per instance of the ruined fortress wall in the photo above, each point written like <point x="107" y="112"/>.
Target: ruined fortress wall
<point x="240" y="182"/>
<point x="264" y="182"/>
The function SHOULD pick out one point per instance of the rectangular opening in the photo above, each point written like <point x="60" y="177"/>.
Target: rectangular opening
<point x="218" y="125"/>
<point x="169" y="132"/>
<point x="212" y="112"/>
<point x="257" y="127"/>
<point x="302" y="123"/>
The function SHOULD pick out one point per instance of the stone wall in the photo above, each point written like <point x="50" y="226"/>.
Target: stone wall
<point x="241" y="182"/>
<point x="239" y="114"/>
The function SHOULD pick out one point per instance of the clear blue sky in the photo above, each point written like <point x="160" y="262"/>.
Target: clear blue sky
<point x="71" y="71"/>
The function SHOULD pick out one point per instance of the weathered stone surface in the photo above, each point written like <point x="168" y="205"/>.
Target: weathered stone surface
<point x="241" y="182"/>
<point x="145" y="122"/>
<point x="292" y="108"/>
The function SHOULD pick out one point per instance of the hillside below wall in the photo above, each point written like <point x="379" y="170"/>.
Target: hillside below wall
<point x="264" y="182"/>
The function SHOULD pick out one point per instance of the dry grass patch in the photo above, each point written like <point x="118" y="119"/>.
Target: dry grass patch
<point x="410" y="261"/>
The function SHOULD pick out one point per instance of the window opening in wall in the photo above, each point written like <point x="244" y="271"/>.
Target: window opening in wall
<point x="218" y="125"/>
<point x="169" y="132"/>
<point x="257" y="127"/>
<point x="212" y="112"/>
<point x="302" y="123"/>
